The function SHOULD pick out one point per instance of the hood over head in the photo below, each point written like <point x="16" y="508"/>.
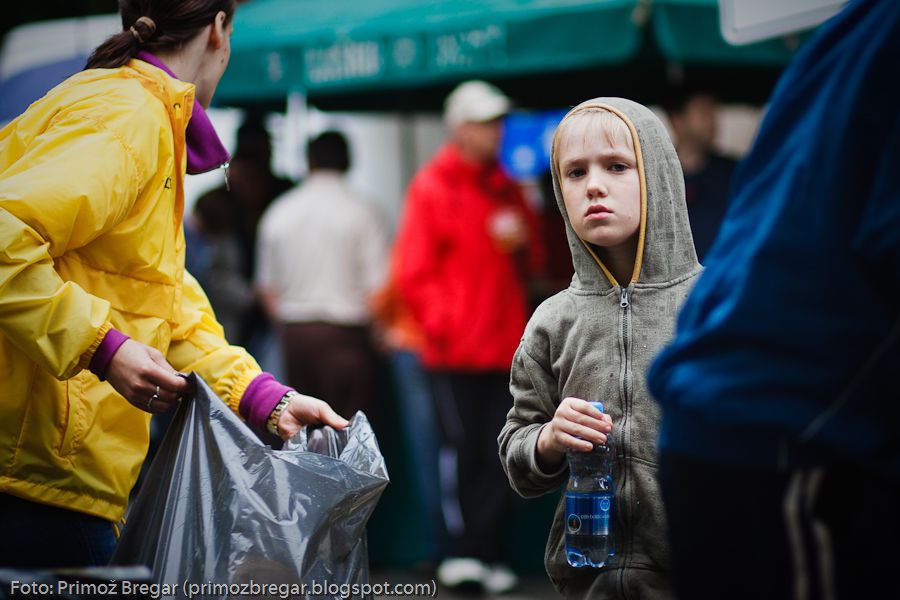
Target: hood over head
<point x="665" y="246"/>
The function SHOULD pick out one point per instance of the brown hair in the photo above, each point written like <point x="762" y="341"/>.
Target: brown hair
<point x="156" y="24"/>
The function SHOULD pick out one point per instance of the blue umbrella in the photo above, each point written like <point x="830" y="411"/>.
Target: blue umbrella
<point x="23" y="88"/>
<point x="36" y="57"/>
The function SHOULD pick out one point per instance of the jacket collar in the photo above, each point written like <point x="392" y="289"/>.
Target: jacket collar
<point x="205" y="151"/>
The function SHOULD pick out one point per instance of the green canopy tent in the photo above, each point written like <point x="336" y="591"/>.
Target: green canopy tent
<point x="406" y="54"/>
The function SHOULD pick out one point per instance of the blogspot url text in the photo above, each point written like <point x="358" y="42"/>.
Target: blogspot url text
<point x="189" y="589"/>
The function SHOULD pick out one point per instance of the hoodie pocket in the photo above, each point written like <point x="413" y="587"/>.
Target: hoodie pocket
<point x="74" y="413"/>
<point x="649" y="535"/>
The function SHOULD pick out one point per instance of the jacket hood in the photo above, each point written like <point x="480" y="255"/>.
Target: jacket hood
<point x="661" y="257"/>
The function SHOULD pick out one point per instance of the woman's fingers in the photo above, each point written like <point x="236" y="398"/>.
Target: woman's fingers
<point x="166" y="376"/>
<point x="307" y="410"/>
<point x="144" y="378"/>
<point x="159" y="399"/>
<point x="328" y="416"/>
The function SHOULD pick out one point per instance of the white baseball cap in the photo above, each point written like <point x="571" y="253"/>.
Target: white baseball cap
<point x="474" y="102"/>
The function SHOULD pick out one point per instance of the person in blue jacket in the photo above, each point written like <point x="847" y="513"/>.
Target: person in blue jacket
<point x="780" y="451"/>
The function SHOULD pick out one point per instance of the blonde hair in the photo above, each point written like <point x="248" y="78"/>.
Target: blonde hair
<point x="613" y="127"/>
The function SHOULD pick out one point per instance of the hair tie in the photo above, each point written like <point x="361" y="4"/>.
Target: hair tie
<point x="148" y="23"/>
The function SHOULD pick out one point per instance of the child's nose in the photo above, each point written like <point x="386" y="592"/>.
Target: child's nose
<point x="596" y="184"/>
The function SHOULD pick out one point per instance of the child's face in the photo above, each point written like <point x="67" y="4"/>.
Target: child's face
<point x="599" y="179"/>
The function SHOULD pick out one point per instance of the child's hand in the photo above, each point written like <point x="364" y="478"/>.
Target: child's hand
<point x="576" y="425"/>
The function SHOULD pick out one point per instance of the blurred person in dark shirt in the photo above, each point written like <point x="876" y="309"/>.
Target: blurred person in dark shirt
<point x="251" y="189"/>
<point x="693" y="116"/>
<point x="780" y="385"/>
<point x="213" y="256"/>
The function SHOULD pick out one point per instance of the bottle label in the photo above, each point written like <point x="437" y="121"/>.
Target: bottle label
<point x="588" y="513"/>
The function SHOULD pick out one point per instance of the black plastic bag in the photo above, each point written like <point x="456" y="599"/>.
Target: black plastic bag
<point x="220" y="507"/>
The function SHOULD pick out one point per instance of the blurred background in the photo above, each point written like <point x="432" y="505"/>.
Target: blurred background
<point x="378" y="70"/>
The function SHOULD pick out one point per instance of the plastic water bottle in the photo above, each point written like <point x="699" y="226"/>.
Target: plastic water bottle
<point x="589" y="505"/>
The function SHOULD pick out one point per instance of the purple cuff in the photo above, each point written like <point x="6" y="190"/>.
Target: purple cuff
<point x="260" y="398"/>
<point x="99" y="364"/>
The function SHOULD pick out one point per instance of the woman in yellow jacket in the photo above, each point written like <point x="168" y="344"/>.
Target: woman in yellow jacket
<point x="97" y="314"/>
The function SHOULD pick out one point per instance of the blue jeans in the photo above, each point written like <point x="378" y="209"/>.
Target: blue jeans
<point x="421" y="434"/>
<point x="40" y="536"/>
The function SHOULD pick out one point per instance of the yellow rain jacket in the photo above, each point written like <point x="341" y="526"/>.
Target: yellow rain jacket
<point x="91" y="237"/>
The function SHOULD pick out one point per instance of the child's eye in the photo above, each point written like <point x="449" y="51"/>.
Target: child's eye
<point x="618" y="167"/>
<point x="575" y="173"/>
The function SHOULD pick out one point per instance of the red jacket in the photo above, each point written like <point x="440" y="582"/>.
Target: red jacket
<point x="465" y="284"/>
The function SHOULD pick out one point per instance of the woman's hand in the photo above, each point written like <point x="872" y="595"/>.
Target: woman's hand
<point x="576" y="425"/>
<point x="142" y="375"/>
<point x="306" y="410"/>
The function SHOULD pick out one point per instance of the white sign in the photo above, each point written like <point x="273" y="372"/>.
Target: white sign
<point x="745" y="21"/>
<point x="343" y="61"/>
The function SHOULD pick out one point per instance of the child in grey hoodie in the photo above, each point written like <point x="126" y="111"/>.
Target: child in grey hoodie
<point x="619" y="186"/>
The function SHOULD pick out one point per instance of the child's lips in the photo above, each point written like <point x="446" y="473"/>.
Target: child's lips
<point x="597" y="211"/>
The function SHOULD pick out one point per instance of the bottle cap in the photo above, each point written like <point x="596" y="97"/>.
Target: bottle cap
<point x="598" y="405"/>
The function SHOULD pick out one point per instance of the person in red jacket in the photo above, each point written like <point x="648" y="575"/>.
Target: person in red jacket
<point x="466" y="245"/>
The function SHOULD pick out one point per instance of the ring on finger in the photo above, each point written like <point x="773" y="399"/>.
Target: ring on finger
<point x="155" y="396"/>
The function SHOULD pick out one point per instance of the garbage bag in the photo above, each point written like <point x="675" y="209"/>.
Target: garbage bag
<point x="220" y="507"/>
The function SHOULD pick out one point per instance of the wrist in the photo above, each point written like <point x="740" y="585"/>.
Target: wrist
<point x="259" y="399"/>
<point x="106" y="350"/>
<point x="547" y="458"/>
<point x="275" y="415"/>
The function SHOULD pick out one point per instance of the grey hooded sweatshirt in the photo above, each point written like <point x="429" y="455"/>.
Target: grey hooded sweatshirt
<point x="595" y="341"/>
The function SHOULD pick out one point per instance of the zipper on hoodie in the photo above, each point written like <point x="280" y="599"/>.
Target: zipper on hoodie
<point x="625" y="305"/>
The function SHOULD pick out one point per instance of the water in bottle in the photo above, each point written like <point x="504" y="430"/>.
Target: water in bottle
<point x="589" y="505"/>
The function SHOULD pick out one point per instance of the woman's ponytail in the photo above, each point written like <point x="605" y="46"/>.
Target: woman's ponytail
<point x="114" y="52"/>
<point x="173" y="22"/>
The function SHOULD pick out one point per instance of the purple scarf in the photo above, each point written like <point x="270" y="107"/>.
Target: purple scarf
<point x="205" y="151"/>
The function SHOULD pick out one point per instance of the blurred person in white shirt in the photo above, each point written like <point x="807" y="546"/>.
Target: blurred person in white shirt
<point x="321" y="254"/>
